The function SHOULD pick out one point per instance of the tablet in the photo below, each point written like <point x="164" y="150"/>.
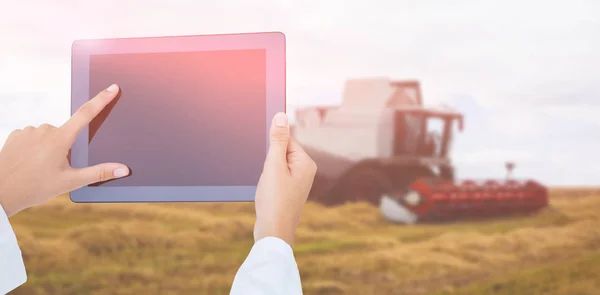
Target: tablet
<point x="191" y="120"/>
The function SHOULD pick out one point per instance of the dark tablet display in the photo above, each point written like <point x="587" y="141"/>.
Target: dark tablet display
<point x="192" y="117"/>
<point x="183" y="118"/>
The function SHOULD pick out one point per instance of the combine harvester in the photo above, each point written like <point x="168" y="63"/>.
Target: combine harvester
<point x="384" y="147"/>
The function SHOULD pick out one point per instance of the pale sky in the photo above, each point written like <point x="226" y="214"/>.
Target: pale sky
<point x="525" y="73"/>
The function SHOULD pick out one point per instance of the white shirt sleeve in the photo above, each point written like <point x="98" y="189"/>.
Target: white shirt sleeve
<point x="269" y="269"/>
<point x="12" y="268"/>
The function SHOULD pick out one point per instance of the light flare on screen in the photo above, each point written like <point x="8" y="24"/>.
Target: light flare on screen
<point x="182" y="118"/>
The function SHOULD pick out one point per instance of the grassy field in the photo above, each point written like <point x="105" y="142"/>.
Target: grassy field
<point x="197" y="248"/>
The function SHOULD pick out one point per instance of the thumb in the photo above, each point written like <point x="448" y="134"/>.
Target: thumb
<point x="102" y="172"/>
<point x="279" y="137"/>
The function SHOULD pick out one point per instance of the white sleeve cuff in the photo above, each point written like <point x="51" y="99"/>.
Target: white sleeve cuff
<point x="269" y="269"/>
<point x="12" y="268"/>
<point x="277" y="246"/>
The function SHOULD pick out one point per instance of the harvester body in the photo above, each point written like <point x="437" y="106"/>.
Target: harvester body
<point x="383" y="146"/>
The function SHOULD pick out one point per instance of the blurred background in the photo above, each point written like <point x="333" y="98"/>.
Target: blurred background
<point x="525" y="75"/>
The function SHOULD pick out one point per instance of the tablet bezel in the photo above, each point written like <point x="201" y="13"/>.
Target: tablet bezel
<point x="272" y="42"/>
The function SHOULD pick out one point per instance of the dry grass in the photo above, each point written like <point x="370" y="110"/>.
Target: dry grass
<point x="197" y="248"/>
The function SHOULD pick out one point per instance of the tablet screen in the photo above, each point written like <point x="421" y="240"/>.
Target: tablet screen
<point x="182" y="118"/>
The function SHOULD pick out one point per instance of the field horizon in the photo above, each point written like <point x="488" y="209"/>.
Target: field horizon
<point x="196" y="248"/>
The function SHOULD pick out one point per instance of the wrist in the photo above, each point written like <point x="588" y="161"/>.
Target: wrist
<point x="275" y="230"/>
<point x="288" y="238"/>
<point x="6" y="209"/>
<point x="7" y="203"/>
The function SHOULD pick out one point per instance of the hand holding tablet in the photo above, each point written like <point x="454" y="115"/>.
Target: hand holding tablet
<point x="284" y="185"/>
<point x="34" y="161"/>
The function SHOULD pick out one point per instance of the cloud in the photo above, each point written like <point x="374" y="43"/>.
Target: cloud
<point x="517" y="124"/>
<point x="499" y="52"/>
<point x="494" y="156"/>
<point x="22" y="109"/>
<point x="25" y="74"/>
<point x="524" y="73"/>
<point x="589" y="113"/>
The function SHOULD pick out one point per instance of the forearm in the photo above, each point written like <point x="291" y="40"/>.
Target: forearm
<point x="12" y="269"/>
<point x="269" y="269"/>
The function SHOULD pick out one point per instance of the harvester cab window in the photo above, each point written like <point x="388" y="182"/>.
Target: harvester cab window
<point x="433" y="139"/>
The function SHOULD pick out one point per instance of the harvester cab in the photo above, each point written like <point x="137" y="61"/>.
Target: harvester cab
<point x="383" y="146"/>
<point x="420" y="131"/>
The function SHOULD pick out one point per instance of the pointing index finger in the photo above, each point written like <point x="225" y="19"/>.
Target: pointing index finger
<point x="89" y="110"/>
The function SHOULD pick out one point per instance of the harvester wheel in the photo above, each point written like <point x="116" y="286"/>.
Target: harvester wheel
<point x="361" y="185"/>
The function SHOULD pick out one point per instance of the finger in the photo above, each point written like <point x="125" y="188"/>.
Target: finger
<point x="297" y="155"/>
<point x="295" y="152"/>
<point x="46" y="126"/>
<point x="44" y="130"/>
<point x="14" y="134"/>
<point x="79" y="177"/>
<point x="88" y="111"/>
<point x="279" y="137"/>
<point x="294" y="146"/>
